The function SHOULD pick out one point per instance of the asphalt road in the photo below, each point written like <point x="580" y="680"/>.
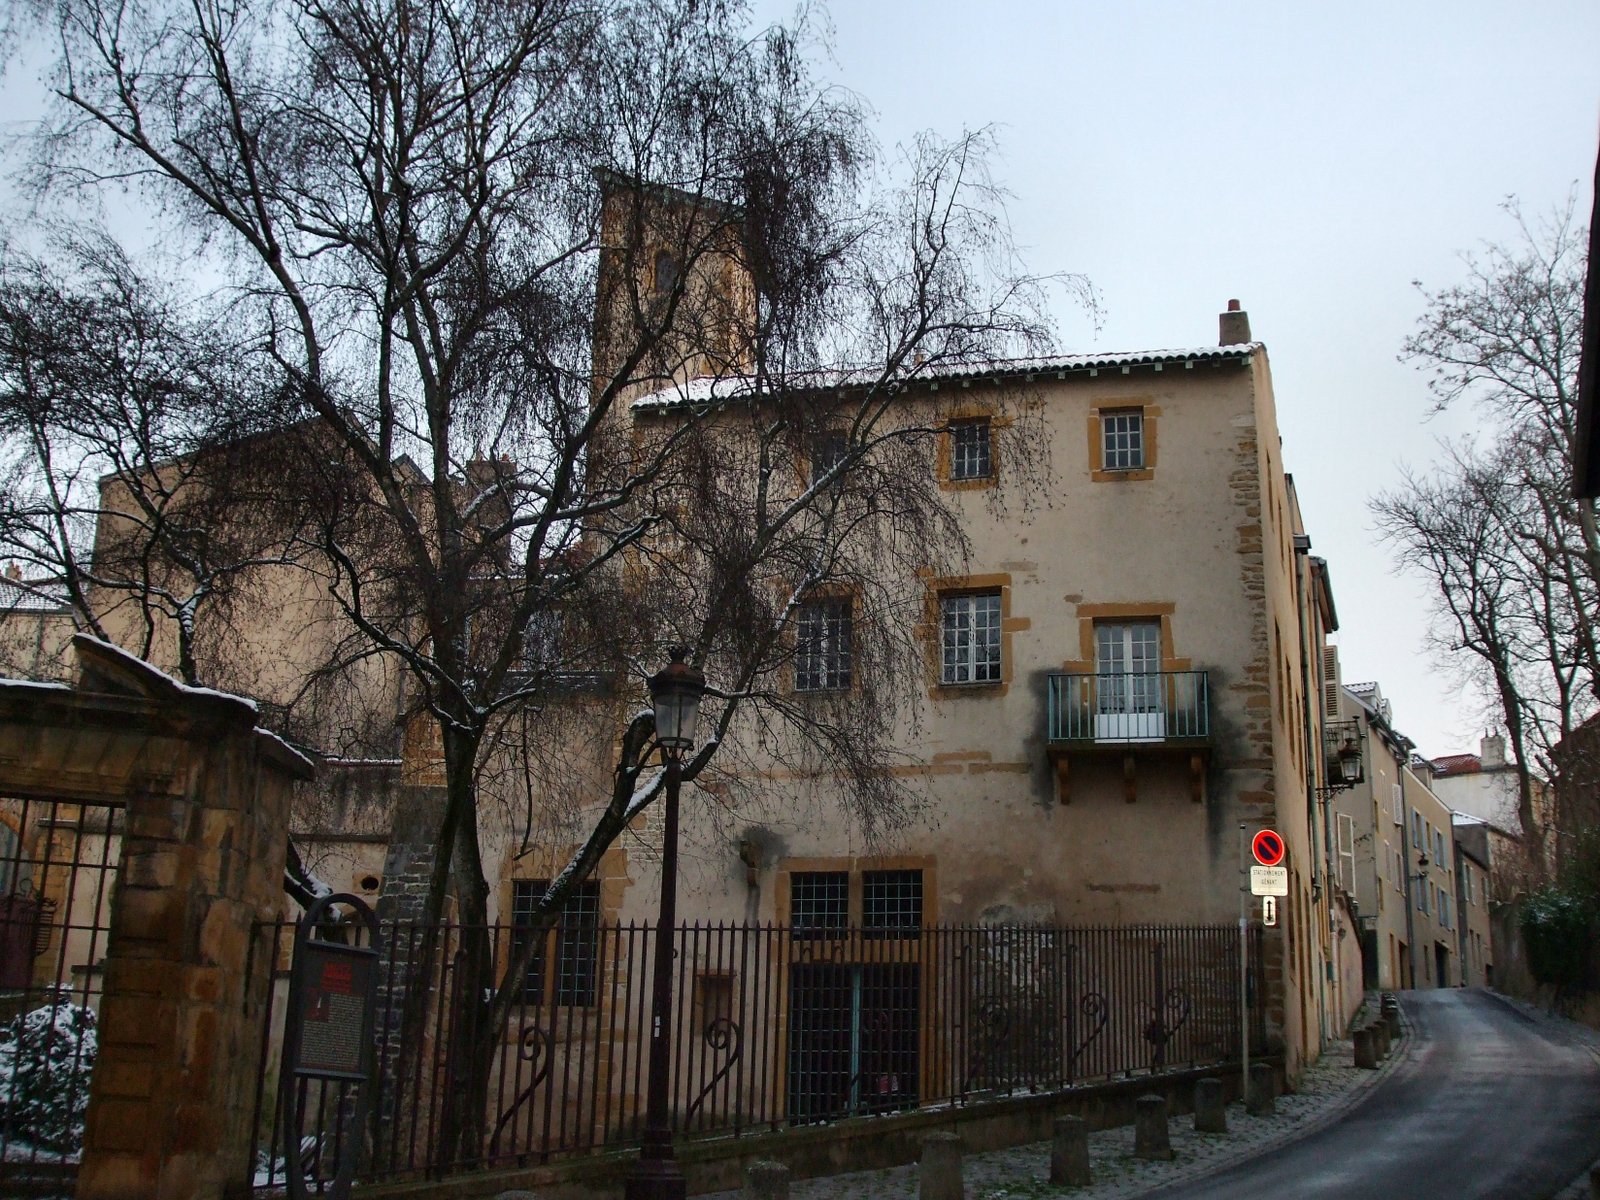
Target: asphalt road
<point x="1488" y="1105"/>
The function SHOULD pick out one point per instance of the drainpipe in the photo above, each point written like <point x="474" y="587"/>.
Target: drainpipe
<point x="1302" y="547"/>
<point x="1405" y="860"/>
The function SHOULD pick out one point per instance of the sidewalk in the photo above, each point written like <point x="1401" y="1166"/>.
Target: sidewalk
<point x="1327" y="1090"/>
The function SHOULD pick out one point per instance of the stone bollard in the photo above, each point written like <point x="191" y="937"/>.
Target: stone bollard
<point x="1263" y="1098"/>
<point x="1381" y="1028"/>
<point x="1210" y="1107"/>
<point x="766" y="1180"/>
<point x="1150" y="1128"/>
<point x="1069" y="1153"/>
<point x="1390" y="1008"/>
<point x="939" y="1174"/>
<point x="1366" y="1051"/>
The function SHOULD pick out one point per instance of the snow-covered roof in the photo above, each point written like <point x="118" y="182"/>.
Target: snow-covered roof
<point x="708" y="389"/>
<point x="28" y="595"/>
<point x="1361" y="689"/>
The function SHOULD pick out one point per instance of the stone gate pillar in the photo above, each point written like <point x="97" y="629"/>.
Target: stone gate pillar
<point x="207" y="816"/>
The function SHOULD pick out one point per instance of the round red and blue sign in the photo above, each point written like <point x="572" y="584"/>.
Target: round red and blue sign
<point x="1268" y="847"/>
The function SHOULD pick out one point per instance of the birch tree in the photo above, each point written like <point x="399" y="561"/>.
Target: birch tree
<point x="464" y="238"/>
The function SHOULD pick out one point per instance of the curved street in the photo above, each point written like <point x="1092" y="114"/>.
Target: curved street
<point x="1489" y="1104"/>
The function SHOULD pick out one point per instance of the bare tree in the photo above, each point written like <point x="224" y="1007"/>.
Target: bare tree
<point x="467" y="238"/>
<point x="1512" y="558"/>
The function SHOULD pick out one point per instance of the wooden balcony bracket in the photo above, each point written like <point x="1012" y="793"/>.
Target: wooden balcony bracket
<point x="1197" y="778"/>
<point x="1130" y="791"/>
<point x="1063" y="779"/>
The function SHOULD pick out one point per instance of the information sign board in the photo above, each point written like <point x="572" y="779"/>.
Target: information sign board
<point x="336" y="1010"/>
<point x="1269" y="881"/>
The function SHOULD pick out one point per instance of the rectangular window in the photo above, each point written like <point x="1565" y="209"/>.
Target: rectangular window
<point x="970" y="628"/>
<point x="891" y="903"/>
<point x="1416" y="831"/>
<point x="969" y="450"/>
<point x="1123" y="433"/>
<point x="1466" y="881"/>
<point x="819" y="903"/>
<point x="576" y="939"/>
<point x="1422" y="896"/>
<point x="823" y="654"/>
<point x="1438" y="846"/>
<point x="828" y="450"/>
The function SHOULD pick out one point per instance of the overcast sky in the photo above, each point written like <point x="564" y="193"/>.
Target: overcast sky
<point x="1311" y="160"/>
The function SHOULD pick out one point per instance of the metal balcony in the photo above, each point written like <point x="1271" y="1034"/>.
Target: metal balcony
<point x="1121" y="710"/>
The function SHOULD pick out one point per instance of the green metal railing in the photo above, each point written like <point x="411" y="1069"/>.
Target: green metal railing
<point x="1115" y="707"/>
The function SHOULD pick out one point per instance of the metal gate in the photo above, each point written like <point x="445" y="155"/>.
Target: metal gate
<point x="58" y="863"/>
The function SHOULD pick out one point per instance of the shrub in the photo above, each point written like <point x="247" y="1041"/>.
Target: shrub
<point x="46" y="1058"/>
<point x="1555" y="929"/>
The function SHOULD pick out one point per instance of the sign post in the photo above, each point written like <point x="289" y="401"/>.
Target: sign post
<point x="1269" y="878"/>
<point x="1244" y="977"/>
<point x="327" y="1035"/>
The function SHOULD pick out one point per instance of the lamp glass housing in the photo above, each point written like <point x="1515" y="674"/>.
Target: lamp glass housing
<point x="675" y="692"/>
<point x="1350" y="763"/>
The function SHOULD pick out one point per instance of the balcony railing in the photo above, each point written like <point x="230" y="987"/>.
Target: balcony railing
<point x="1119" y="709"/>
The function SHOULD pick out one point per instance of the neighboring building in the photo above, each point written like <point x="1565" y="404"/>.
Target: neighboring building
<point x="1431" y="870"/>
<point x="1482" y="785"/>
<point x="36" y="627"/>
<point x="1474" y="894"/>
<point x="1371" y="838"/>
<point x="1402" y="855"/>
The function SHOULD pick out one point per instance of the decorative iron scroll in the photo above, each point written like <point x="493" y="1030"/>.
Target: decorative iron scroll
<point x="533" y="1046"/>
<point x="1164" y="1022"/>
<point x="722" y="1034"/>
<point x="1097" y="1009"/>
<point x="992" y="1021"/>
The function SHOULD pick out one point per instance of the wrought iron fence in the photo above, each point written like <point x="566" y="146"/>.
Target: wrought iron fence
<point x="58" y="865"/>
<point x="772" y="1026"/>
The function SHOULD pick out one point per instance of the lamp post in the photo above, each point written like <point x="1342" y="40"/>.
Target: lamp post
<point x="675" y="692"/>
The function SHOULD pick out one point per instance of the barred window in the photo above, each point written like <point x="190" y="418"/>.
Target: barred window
<point x="823" y="654"/>
<point x="1123" y="432"/>
<point x="969" y="450"/>
<point x="891" y="902"/>
<point x="970" y="626"/>
<point x="819" y="902"/>
<point x="576" y="939"/>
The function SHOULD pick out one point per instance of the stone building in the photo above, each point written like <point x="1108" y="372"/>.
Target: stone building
<point x="1125" y="681"/>
<point x="1397" y="837"/>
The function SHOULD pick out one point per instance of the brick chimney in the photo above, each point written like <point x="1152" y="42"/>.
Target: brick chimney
<point x="1492" y="750"/>
<point x="1233" y="326"/>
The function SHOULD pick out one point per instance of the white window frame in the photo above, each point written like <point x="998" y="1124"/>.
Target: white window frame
<point x="824" y="649"/>
<point x="971" y="449"/>
<point x="1122" y="439"/>
<point x="970" y="647"/>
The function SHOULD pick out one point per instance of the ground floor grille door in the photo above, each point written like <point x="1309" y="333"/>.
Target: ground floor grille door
<point x="852" y="1039"/>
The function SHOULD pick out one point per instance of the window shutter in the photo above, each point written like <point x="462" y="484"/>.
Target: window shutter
<point x="1330" y="682"/>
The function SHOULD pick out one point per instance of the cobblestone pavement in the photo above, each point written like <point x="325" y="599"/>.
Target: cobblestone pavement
<point x="1326" y="1091"/>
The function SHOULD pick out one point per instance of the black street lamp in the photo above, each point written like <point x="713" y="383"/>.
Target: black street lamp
<point x="675" y="691"/>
